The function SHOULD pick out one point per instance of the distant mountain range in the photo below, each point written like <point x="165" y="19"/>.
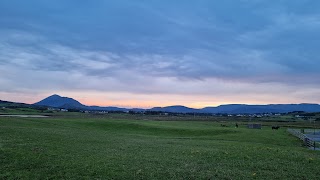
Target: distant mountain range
<point x="57" y="101"/>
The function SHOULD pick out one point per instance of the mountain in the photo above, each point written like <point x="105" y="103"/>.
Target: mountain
<point x="177" y="109"/>
<point x="270" y="108"/>
<point x="109" y="108"/>
<point x="57" y="101"/>
<point x="222" y="108"/>
<point x="243" y="109"/>
<point x="60" y="102"/>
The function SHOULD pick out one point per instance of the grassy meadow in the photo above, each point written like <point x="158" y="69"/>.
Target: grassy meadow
<point x="79" y="146"/>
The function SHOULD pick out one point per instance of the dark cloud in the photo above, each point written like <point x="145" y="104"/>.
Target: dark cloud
<point x="127" y="43"/>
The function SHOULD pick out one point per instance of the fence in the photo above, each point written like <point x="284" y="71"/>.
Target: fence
<point x="306" y="140"/>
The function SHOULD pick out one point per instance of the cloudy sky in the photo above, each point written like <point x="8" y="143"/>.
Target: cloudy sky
<point x="144" y="53"/>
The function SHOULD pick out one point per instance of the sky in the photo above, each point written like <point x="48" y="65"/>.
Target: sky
<point x="145" y="53"/>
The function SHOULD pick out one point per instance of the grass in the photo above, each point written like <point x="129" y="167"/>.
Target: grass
<point x="116" y="147"/>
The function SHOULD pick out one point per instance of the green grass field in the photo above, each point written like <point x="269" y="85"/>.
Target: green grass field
<point x="106" y="147"/>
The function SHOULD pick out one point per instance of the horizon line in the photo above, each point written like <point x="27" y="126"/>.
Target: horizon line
<point x="131" y="107"/>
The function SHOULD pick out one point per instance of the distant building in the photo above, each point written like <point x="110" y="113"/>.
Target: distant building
<point x="51" y="109"/>
<point x="103" y="112"/>
<point x="64" y="110"/>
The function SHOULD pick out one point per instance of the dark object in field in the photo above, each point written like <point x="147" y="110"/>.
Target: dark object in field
<point x="237" y="125"/>
<point x="254" y="126"/>
<point x="275" y="127"/>
<point x="223" y="125"/>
